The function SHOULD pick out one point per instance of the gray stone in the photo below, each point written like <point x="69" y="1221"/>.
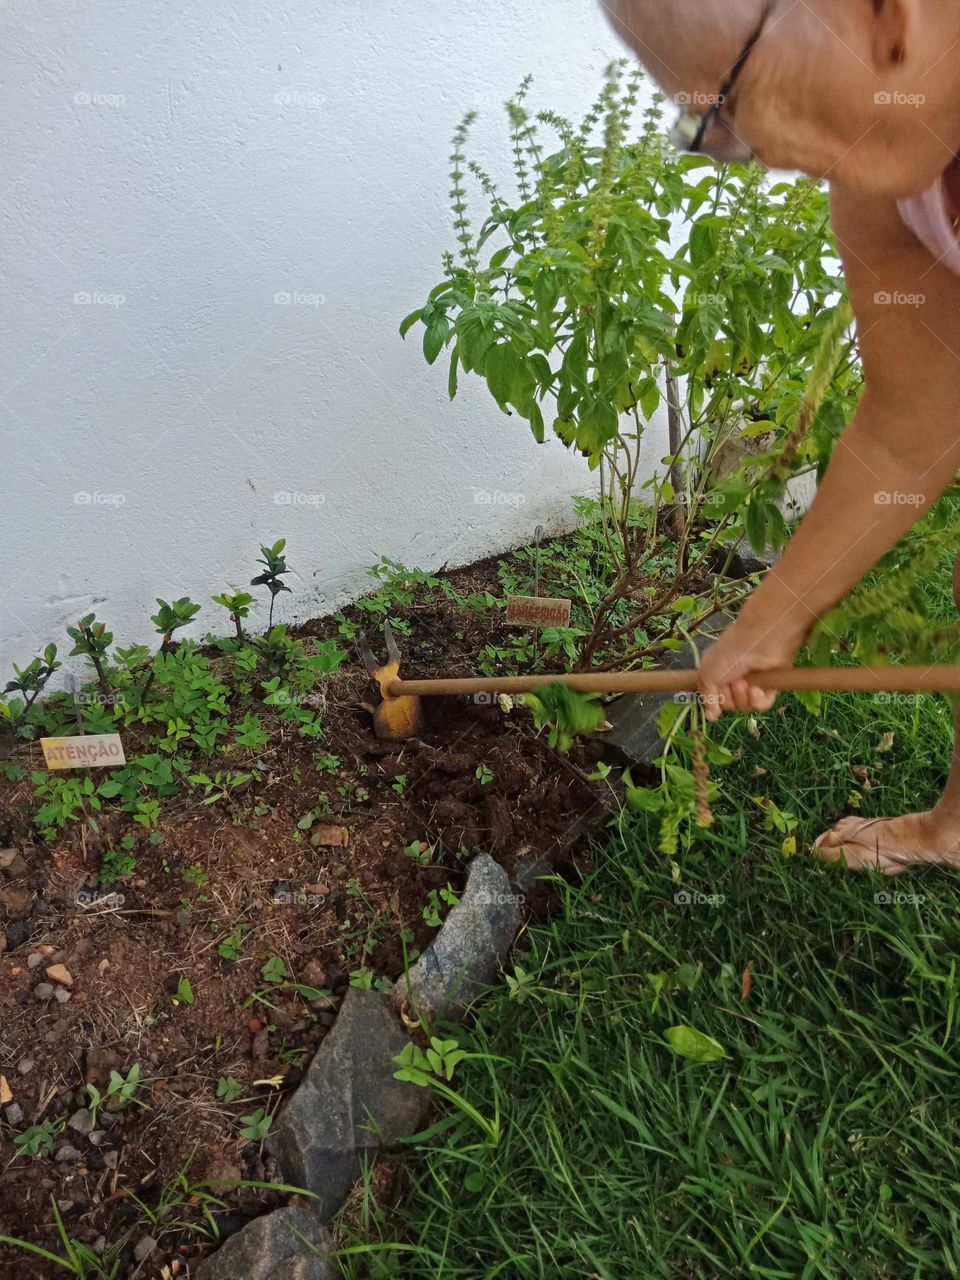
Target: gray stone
<point x="81" y="1121"/>
<point x="67" y="1154"/>
<point x="13" y="1113"/>
<point x="465" y="956"/>
<point x="745" y="561"/>
<point x="43" y="991"/>
<point x="348" y="1103"/>
<point x="34" y="960"/>
<point x="144" y="1247"/>
<point x="634" y="738"/>
<point x="61" y="995"/>
<point x="273" y="1248"/>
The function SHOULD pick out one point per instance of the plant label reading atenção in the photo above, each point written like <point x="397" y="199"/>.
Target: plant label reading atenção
<point x="90" y="751"/>
<point x="537" y="611"/>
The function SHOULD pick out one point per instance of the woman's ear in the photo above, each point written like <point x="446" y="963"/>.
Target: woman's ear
<point x="891" y="23"/>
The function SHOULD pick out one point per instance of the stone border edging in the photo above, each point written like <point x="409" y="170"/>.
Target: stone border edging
<point x="348" y="1104"/>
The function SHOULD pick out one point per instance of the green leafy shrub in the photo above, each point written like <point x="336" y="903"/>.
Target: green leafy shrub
<point x="572" y="302"/>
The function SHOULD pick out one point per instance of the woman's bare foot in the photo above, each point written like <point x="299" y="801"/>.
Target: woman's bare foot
<point x="892" y="845"/>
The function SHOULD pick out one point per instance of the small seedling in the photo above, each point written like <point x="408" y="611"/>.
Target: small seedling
<point x="228" y="1089"/>
<point x="256" y="1126"/>
<point x="32" y="678"/>
<point x="420" y="852"/>
<point x="92" y="640"/>
<point x="433" y="911"/>
<point x="275" y="565"/>
<point x="274" y="970"/>
<point x="441" y="1060"/>
<point x="118" y="861"/>
<point x="484" y="775"/>
<point x="123" y="1088"/>
<point x="39" y="1139"/>
<point x="238" y="604"/>
<point x="184" y="992"/>
<point x="232" y="944"/>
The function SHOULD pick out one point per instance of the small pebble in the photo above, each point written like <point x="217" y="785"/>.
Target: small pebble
<point x="67" y="1154"/>
<point x="13" y="1113"/>
<point x="61" y="994"/>
<point x="145" y="1246"/>
<point x="60" y="973"/>
<point x="96" y="1137"/>
<point x="25" y="1066"/>
<point x="34" y="960"/>
<point x="110" y="1159"/>
<point x="81" y="1121"/>
<point x="43" y="991"/>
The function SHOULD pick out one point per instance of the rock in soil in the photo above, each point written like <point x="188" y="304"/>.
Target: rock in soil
<point x="43" y="991"/>
<point x="635" y="737"/>
<point x="271" y="1248"/>
<point x="67" y="1154"/>
<point x="465" y="956"/>
<point x="14" y="1113"/>
<point x="81" y="1121"/>
<point x="349" y="1103"/>
<point x="144" y="1247"/>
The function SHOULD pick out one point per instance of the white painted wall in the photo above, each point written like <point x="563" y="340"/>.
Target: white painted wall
<point x="149" y="158"/>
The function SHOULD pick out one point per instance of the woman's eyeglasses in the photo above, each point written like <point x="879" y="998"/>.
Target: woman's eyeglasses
<point x="692" y="128"/>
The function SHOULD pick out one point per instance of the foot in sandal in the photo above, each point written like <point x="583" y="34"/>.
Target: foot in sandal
<point x="892" y="845"/>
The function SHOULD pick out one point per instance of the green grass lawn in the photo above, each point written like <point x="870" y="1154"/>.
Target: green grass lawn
<point x="826" y="1142"/>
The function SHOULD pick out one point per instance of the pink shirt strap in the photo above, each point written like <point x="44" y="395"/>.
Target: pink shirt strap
<point x="928" y="217"/>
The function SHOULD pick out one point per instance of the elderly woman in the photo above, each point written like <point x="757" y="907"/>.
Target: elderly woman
<point x="865" y="93"/>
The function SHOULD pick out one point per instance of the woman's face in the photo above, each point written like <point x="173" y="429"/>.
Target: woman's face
<point x="865" y="92"/>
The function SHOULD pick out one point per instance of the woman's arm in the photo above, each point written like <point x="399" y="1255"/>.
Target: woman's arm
<point x="892" y="463"/>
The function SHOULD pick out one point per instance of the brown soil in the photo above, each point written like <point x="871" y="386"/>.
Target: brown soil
<point x="251" y="876"/>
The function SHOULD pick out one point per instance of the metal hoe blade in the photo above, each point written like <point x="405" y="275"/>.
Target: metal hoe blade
<point x="395" y="718"/>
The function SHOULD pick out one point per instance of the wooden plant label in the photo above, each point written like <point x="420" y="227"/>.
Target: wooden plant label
<point x="537" y="611"/>
<point x="89" y="751"/>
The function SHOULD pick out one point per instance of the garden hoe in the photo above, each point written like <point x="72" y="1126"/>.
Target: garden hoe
<point x="400" y="714"/>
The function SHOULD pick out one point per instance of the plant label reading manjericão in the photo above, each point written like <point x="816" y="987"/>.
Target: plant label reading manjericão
<point x="537" y="611"/>
<point x="90" y="751"/>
